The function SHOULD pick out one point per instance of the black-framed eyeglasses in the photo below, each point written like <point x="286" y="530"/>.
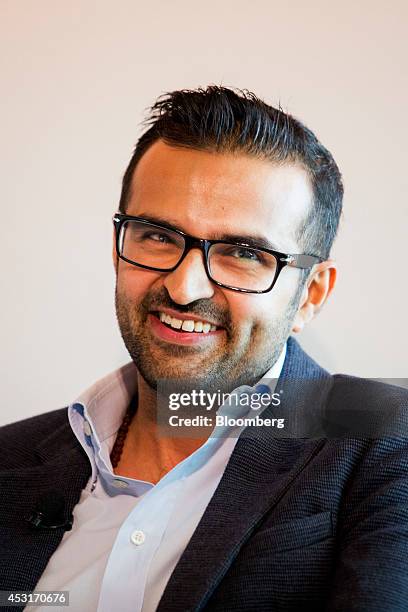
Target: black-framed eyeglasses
<point x="232" y="265"/>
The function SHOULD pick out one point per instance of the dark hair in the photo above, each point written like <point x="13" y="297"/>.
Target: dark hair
<point x="220" y="119"/>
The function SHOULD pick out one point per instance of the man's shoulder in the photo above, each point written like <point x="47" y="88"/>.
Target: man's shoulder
<point x="39" y="423"/>
<point x="367" y="407"/>
<point x="374" y="390"/>
<point x="299" y="365"/>
<point x="348" y="405"/>
<point x="19" y="440"/>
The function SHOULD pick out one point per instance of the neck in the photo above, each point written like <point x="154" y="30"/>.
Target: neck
<point x="148" y="455"/>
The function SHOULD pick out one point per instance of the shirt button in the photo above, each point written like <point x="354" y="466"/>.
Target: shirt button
<point x="137" y="537"/>
<point x="87" y="429"/>
<point x="120" y="484"/>
<point x="264" y="389"/>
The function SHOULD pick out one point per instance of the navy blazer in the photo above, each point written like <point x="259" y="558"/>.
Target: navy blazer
<point x="316" y="520"/>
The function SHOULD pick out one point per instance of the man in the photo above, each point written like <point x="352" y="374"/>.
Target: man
<point x="228" y="212"/>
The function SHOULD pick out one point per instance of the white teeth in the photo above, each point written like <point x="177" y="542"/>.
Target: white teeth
<point x="187" y="325"/>
<point x="176" y="323"/>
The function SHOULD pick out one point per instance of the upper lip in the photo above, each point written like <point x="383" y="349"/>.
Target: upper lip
<point x="185" y="316"/>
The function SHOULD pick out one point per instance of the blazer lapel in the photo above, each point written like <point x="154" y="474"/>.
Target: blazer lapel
<point x="62" y="466"/>
<point x="259" y="472"/>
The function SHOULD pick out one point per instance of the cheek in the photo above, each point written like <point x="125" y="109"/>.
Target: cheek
<point x="135" y="282"/>
<point x="259" y="310"/>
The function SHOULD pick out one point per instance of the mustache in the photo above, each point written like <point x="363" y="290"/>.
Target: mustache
<point x="204" y="309"/>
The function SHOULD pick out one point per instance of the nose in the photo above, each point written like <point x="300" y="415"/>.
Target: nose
<point x="189" y="281"/>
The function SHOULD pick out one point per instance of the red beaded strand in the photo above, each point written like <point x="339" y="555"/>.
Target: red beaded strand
<point x="117" y="449"/>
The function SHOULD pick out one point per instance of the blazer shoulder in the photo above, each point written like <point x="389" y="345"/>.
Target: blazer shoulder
<point x="368" y="389"/>
<point x="18" y="440"/>
<point x="362" y="407"/>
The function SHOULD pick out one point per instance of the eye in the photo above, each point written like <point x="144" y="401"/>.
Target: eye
<point x="245" y="253"/>
<point x="158" y="237"/>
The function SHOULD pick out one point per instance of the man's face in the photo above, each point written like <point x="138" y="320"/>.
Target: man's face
<point x="208" y="194"/>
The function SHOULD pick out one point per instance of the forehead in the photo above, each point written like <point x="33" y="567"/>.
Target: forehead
<point x="207" y="194"/>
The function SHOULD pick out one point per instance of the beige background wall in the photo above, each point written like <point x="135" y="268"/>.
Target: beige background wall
<point x="76" y="78"/>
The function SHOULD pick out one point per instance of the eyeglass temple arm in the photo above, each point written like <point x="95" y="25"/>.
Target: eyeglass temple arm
<point x="301" y="261"/>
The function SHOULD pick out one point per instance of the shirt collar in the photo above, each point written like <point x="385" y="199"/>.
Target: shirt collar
<point x="97" y="413"/>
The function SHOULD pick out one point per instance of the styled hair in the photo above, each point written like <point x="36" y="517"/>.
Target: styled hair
<point x="224" y="120"/>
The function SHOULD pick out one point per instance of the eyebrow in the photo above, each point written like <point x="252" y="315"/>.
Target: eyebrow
<point x="253" y="241"/>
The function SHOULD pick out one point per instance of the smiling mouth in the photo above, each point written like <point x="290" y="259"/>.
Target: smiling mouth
<point x="185" y="325"/>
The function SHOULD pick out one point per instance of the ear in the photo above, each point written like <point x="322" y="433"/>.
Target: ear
<point x="315" y="292"/>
